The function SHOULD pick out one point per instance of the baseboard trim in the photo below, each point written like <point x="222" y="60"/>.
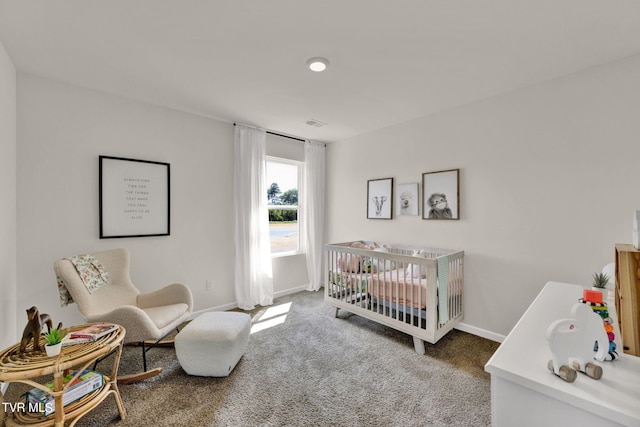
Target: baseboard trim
<point x="233" y="305"/>
<point x="224" y="307"/>
<point x="483" y="333"/>
<point x="290" y="291"/>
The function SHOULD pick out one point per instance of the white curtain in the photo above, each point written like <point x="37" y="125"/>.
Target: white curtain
<point x="312" y="215"/>
<point x="253" y="273"/>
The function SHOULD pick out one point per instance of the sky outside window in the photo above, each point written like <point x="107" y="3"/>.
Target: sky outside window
<point x="285" y="175"/>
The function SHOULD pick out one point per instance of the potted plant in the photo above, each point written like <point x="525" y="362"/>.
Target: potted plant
<point x="54" y="341"/>
<point x="600" y="281"/>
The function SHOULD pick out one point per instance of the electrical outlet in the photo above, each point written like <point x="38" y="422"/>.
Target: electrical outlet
<point x="208" y="285"/>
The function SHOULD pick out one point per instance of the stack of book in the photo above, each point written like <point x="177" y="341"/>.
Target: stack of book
<point x="89" y="334"/>
<point x="41" y="401"/>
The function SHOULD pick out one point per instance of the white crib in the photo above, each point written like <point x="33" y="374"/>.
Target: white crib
<point x="416" y="290"/>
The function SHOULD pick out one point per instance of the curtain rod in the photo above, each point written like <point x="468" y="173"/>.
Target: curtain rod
<point x="287" y="136"/>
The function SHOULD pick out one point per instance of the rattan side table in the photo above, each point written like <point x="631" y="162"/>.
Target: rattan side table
<point x="15" y="367"/>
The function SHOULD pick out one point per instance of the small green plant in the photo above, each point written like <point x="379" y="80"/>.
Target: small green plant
<point x="54" y="336"/>
<point x="600" y="280"/>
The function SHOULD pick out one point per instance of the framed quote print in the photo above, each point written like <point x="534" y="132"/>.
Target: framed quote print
<point x="134" y="198"/>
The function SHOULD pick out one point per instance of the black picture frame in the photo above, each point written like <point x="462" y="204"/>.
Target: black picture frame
<point x="380" y="198"/>
<point x="134" y="197"/>
<point x="441" y="195"/>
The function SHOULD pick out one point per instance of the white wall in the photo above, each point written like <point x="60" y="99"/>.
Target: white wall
<point x="62" y="130"/>
<point x="8" y="218"/>
<point x="548" y="185"/>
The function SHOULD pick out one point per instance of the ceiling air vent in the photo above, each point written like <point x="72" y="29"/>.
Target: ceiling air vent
<point x="315" y="123"/>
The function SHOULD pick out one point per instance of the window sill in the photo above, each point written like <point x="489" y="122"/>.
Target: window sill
<point x="286" y="254"/>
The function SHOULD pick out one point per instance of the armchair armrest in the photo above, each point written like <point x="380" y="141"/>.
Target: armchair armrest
<point x="175" y="293"/>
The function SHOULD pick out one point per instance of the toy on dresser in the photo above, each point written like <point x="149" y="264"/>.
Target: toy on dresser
<point x="594" y="300"/>
<point x="575" y="342"/>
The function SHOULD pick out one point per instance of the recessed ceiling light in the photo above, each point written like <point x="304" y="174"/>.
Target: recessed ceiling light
<point x="318" y="64"/>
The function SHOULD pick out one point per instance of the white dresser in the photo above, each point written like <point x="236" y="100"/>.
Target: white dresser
<point x="525" y="393"/>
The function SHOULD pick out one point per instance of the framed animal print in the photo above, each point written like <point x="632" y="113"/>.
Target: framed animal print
<point x="380" y="198"/>
<point x="407" y="201"/>
<point x="441" y="194"/>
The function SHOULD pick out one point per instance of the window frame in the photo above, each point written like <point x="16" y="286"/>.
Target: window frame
<point x="299" y="165"/>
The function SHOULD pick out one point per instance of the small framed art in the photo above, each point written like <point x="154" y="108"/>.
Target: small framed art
<point x="134" y="198"/>
<point x="441" y="194"/>
<point x="407" y="200"/>
<point x="380" y="198"/>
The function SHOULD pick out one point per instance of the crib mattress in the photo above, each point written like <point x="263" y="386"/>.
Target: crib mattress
<point x="398" y="287"/>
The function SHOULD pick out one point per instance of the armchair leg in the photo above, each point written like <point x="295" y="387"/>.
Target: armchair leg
<point x="144" y="356"/>
<point x="134" y="378"/>
<point x="145" y="374"/>
<point x="158" y="343"/>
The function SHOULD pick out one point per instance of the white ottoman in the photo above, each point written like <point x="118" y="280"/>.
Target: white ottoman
<point x="212" y="344"/>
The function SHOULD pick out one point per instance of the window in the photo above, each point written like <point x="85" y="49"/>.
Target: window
<point x="282" y="194"/>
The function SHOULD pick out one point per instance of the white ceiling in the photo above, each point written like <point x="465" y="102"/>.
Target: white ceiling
<point x="244" y="61"/>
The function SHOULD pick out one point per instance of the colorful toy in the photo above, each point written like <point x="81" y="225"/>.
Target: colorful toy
<point x="594" y="300"/>
<point x="572" y="344"/>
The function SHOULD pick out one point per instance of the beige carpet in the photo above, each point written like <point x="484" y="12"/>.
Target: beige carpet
<point x="313" y="370"/>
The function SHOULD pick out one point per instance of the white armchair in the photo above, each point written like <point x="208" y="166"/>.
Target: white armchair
<point x="146" y="317"/>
